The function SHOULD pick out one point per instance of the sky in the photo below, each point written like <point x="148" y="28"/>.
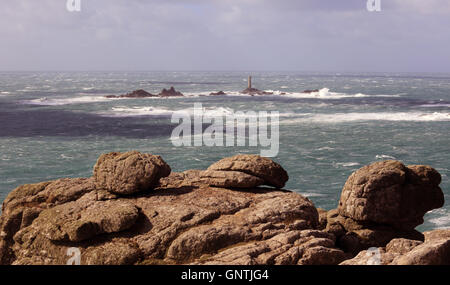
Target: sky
<point x="241" y="35"/>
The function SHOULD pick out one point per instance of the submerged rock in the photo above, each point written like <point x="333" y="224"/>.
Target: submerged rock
<point x="217" y="93"/>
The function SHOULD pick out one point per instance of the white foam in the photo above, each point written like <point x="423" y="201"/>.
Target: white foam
<point x="123" y="111"/>
<point x="442" y="220"/>
<point x="66" y="101"/>
<point x="381" y="116"/>
<point x="347" y="164"/>
<point x="436" y="105"/>
<point x="325" y="93"/>
<point x="310" y="194"/>
<point x="384" y="156"/>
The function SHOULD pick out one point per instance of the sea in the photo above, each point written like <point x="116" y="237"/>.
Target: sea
<point x="56" y="124"/>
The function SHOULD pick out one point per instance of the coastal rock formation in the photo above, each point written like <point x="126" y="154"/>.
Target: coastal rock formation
<point x="388" y="192"/>
<point x="221" y="215"/>
<point x="435" y="250"/>
<point x="135" y="94"/>
<point x="128" y="173"/>
<point x="383" y="201"/>
<point x="253" y="91"/>
<point x="170" y="93"/>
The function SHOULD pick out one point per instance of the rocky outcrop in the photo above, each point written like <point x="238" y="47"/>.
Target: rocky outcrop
<point x="253" y="91"/>
<point x="388" y="192"/>
<point x="170" y="93"/>
<point x="135" y="94"/>
<point x="191" y="217"/>
<point x="435" y="250"/>
<point x="134" y="210"/>
<point x="384" y="201"/>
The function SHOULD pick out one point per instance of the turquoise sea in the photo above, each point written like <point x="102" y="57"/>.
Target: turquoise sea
<point x="56" y="124"/>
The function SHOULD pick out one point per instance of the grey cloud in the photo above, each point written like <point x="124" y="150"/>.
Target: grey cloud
<point x="225" y="34"/>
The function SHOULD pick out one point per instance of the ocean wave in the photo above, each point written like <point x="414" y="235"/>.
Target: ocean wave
<point x="66" y="101"/>
<point x="347" y="164"/>
<point x="384" y="156"/>
<point x="441" y="219"/>
<point x="325" y="93"/>
<point x="435" y="105"/>
<point x="124" y="111"/>
<point x="381" y="116"/>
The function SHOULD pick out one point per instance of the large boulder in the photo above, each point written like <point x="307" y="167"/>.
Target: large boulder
<point x="388" y="192"/>
<point x="271" y="172"/>
<point x="130" y="172"/>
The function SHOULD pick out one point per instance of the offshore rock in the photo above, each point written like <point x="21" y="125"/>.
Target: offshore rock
<point x="135" y="94"/>
<point x="170" y="93"/>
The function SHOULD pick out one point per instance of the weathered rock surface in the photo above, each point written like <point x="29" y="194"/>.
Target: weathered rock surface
<point x="435" y="250"/>
<point x="354" y="236"/>
<point x="230" y="179"/>
<point x="384" y="201"/>
<point x="388" y="192"/>
<point x="214" y="216"/>
<point x="271" y="172"/>
<point x="128" y="173"/>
